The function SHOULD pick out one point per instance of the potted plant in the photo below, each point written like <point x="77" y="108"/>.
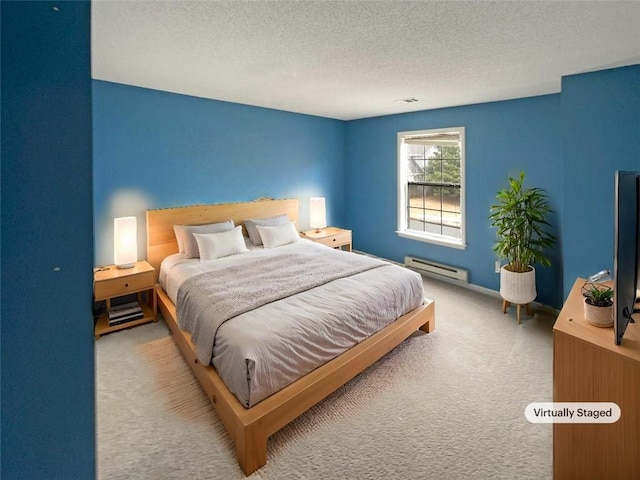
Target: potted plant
<point x="598" y="304"/>
<point x="522" y="238"/>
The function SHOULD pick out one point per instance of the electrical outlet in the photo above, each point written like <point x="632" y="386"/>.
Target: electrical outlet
<point x="497" y="267"/>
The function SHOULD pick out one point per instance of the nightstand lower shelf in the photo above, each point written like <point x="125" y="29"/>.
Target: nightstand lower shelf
<point x="102" y="325"/>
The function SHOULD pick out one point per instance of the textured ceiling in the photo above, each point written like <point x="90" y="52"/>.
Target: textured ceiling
<point x="355" y="59"/>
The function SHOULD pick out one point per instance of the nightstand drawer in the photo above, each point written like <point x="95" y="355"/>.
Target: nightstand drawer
<point x="336" y="240"/>
<point x="122" y="286"/>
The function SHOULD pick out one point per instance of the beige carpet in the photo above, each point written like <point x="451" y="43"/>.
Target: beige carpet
<point x="445" y="405"/>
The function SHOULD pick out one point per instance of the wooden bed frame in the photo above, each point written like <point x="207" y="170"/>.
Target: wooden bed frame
<point x="251" y="427"/>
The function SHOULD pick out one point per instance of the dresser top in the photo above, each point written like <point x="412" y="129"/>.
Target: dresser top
<point x="571" y="322"/>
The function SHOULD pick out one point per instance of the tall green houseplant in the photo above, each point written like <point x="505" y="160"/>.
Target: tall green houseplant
<point x="520" y="216"/>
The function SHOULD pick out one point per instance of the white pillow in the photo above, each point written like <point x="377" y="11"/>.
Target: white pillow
<point x="252" y="223"/>
<point x="222" y="244"/>
<point x="278" y="235"/>
<point x="186" y="241"/>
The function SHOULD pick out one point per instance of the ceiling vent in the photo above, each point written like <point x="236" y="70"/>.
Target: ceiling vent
<point x="407" y="100"/>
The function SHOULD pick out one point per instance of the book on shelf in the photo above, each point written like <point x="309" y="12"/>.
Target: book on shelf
<point x="125" y="319"/>
<point x="127" y="316"/>
<point x="124" y="306"/>
<point x="123" y="311"/>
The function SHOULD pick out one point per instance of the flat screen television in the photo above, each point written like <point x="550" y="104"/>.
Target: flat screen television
<point x="626" y="258"/>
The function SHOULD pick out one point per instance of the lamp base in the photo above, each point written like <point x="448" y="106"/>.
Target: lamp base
<point x="126" y="265"/>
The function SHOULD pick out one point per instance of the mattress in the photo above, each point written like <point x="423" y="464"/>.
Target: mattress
<point x="263" y="350"/>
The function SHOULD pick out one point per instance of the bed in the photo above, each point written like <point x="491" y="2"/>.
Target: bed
<point x="251" y="420"/>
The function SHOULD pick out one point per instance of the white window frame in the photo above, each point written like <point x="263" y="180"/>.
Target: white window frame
<point x="403" y="230"/>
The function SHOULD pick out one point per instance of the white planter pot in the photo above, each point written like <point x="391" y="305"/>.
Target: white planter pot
<point x="518" y="288"/>
<point x="598" y="316"/>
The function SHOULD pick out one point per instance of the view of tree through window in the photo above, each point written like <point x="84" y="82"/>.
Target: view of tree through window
<point x="432" y="164"/>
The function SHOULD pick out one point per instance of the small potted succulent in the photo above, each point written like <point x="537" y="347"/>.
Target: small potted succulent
<point x="598" y="304"/>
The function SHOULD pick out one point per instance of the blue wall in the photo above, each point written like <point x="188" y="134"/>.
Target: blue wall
<point x="155" y="149"/>
<point x="601" y="134"/>
<point x="47" y="357"/>
<point x="501" y="139"/>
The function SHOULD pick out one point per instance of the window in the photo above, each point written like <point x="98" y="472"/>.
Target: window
<point x="431" y="186"/>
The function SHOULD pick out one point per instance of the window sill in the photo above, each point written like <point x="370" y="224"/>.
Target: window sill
<point x="445" y="242"/>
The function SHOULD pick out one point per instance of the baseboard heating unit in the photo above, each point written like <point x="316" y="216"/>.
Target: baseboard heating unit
<point x="439" y="269"/>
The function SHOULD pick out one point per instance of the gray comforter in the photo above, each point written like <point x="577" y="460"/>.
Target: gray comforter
<point x="207" y="300"/>
<point x="260" y="351"/>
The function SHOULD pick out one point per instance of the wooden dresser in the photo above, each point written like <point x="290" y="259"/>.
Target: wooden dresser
<point x="589" y="367"/>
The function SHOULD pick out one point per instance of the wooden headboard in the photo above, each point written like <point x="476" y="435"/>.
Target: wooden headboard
<point x="161" y="240"/>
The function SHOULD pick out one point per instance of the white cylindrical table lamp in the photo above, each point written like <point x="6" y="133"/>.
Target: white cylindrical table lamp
<point x="125" y="242"/>
<point x="317" y="213"/>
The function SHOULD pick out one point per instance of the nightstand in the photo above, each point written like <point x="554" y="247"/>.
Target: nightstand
<point x="116" y="282"/>
<point x="331" y="236"/>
